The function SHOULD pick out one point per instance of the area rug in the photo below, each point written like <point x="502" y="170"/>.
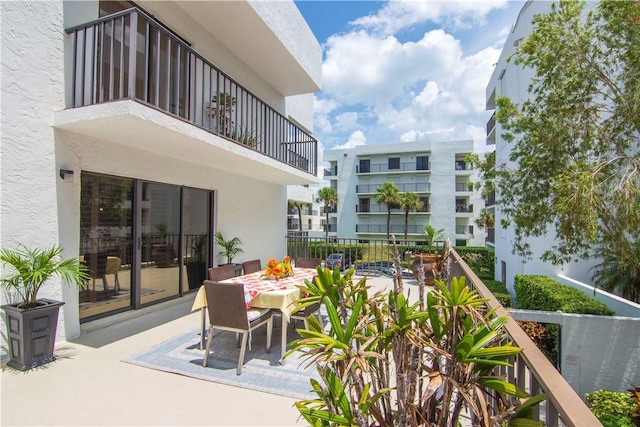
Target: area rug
<point x="261" y="371"/>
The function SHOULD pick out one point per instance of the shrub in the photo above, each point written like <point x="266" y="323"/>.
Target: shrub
<point x="480" y="260"/>
<point x="499" y="291"/>
<point x="544" y="337"/>
<point x="612" y="408"/>
<point x="544" y="293"/>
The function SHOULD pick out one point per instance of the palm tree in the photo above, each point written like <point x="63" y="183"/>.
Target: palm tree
<point x="298" y="205"/>
<point x="328" y="196"/>
<point x="409" y="202"/>
<point x="388" y="194"/>
<point x="433" y="235"/>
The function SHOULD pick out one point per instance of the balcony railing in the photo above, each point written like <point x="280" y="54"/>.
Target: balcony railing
<point x="491" y="123"/>
<point x="491" y="235"/>
<point x="129" y="55"/>
<point x="303" y="211"/>
<point x="384" y="168"/>
<point x="329" y="209"/>
<point x="531" y="370"/>
<point x="414" y="187"/>
<point x="331" y="172"/>
<point x="393" y="228"/>
<point x="461" y="165"/>
<point x="491" y="199"/>
<point x="464" y="229"/>
<point x="463" y="186"/>
<point x="464" y="209"/>
<point x="383" y="209"/>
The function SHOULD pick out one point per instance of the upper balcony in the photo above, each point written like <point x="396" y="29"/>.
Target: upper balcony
<point x="135" y="82"/>
<point x="412" y="167"/>
<point x="414" y="187"/>
<point x="491" y="130"/>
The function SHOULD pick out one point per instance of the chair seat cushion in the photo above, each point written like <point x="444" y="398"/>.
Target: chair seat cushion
<point x="255" y="313"/>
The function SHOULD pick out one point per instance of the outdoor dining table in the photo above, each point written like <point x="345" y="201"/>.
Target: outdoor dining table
<point x="263" y="293"/>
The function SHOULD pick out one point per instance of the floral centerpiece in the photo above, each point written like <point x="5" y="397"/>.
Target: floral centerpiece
<point x="278" y="269"/>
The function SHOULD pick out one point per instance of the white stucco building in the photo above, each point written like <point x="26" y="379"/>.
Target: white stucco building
<point x="436" y="171"/>
<point x="509" y="79"/>
<point x="130" y="136"/>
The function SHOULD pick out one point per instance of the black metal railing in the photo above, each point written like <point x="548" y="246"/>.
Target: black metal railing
<point x="393" y="228"/>
<point x="130" y="55"/>
<point x="331" y="172"/>
<point x="491" y="235"/>
<point x="491" y="199"/>
<point x="384" y="167"/>
<point x="375" y="208"/>
<point x="491" y="124"/>
<point x="414" y="187"/>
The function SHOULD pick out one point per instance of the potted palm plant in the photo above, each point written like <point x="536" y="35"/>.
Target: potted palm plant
<point x="31" y="321"/>
<point x="431" y="260"/>
<point x="196" y="263"/>
<point x="228" y="248"/>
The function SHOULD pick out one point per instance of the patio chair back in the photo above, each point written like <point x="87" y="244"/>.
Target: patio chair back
<point x="308" y="262"/>
<point x="218" y="274"/>
<point x="226" y="305"/>
<point x="251" y="266"/>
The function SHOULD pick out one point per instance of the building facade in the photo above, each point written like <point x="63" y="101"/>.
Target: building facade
<point x="436" y="171"/>
<point x="133" y="132"/>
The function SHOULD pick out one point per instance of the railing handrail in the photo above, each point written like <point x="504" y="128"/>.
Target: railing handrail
<point x="572" y="410"/>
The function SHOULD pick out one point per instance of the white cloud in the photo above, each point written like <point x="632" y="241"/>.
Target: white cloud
<point x="399" y="15"/>
<point x="393" y="89"/>
<point x="356" y="138"/>
<point x="428" y="94"/>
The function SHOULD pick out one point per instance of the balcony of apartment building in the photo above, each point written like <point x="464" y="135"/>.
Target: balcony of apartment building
<point x="303" y="211"/>
<point x="462" y="167"/>
<point x="490" y="200"/>
<point x="491" y="130"/>
<point x="332" y="172"/>
<point x="393" y="228"/>
<point x="463" y="207"/>
<point x="328" y="209"/>
<point x="464" y="187"/>
<point x="133" y="81"/>
<point x="413" y="187"/>
<point x="464" y="231"/>
<point x="366" y="207"/>
<point x="491" y="236"/>
<point x="393" y="165"/>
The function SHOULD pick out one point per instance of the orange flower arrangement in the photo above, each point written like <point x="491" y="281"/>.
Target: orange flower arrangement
<point x="278" y="269"/>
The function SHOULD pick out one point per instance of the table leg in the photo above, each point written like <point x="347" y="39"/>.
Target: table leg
<point x="283" y="349"/>
<point x="203" y="327"/>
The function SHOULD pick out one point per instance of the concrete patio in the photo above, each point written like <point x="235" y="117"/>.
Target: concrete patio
<point x="88" y="385"/>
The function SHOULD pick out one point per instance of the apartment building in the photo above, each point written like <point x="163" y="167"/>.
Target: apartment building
<point x="309" y="215"/>
<point x="436" y="171"/>
<point x="512" y="81"/>
<point x="131" y="133"/>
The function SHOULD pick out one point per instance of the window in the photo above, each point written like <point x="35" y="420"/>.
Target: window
<point x="365" y="166"/>
<point x="394" y="163"/>
<point x="422" y="163"/>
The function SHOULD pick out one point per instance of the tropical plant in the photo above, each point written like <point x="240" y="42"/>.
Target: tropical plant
<point x="328" y="196"/>
<point x="31" y="268"/>
<point x="223" y="112"/>
<point x="615" y="274"/>
<point x="245" y="136"/>
<point x="634" y="393"/>
<point x="432" y="236"/>
<point x="409" y="202"/>
<point x="298" y="206"/>
<point x="388" y="194"/>
<point x="229" y="248"/>
<point x="385" y="361"/>
<point x="575" y="161"/>
<point x="485" y="219"/>
<point x="198" y="248"/>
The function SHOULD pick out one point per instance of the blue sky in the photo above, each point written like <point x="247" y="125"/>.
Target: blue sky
<point x="405" y="70"/>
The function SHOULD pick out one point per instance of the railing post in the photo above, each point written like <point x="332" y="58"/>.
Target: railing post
<point x="133" y="50"/>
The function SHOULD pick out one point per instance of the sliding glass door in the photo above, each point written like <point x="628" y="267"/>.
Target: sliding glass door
<point x="143" y="242"/>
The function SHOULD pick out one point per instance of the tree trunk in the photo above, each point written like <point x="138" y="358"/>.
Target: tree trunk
<point x="299" y="218"/>
<point x="388" y="220"/>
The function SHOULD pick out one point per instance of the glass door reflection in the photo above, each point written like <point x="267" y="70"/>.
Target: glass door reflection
<point x="160" y="228"/>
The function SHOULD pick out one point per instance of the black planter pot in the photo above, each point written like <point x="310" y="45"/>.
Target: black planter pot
<point x="31" y="333"/>
<point x="196" y="274"/>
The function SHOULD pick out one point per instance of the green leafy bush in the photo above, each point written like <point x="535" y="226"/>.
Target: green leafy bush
<point x="499" y="291"/>
<point x="544" y="293"/>
<point x="612" y="408"/>
<point x="480" y="260"/>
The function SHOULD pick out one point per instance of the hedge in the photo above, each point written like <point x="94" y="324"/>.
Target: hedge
<point x="544" y="293"/>
<point x="499" y="291"/>
<point x="612" y="408"/>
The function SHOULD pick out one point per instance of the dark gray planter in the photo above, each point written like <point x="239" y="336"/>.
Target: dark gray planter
<point x="31" y="333"/>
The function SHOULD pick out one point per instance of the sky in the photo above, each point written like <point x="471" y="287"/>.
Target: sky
<point x="402" y="71"/>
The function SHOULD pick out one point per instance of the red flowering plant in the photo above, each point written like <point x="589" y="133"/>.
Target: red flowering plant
<point x="278" y="269"/>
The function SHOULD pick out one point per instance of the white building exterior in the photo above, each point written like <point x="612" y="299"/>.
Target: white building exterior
<point x="512" y="81"/>
<point x="116" y="140"/>
<point x="436" y="171"/>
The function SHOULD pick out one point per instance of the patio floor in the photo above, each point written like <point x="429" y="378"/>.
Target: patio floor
<point x="88" y="385"/>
